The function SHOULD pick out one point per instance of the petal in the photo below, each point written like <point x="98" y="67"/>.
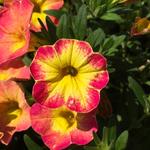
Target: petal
<point x="72" y="52"/>
<point x="46" y="64"/>
<point x="86" y="126"/>
<point x="57" y="141"/>
<point x="14" y="30"/>
<point x="94" y="72"/>
<point x="52" y="4"/>
<point x="41" y="92"/>
<point x="14" y="69"/>
<point x="14" y="108"/>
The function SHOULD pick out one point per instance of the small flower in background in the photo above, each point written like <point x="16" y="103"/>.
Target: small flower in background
<point x="104" y="108"/>
<point x="140" y="27"/>
<point x="14" y="69"/>
<point x="61" y="127"/>
<point x="38" y="12"/>
<point x="14" y="110"/>
<point x="14" y="29"/>
<point x="69" y="73"/>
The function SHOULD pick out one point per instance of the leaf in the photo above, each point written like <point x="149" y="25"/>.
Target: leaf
<point x="63" y="27"/>
<point x="137" y="89"/>
<point x="31" y="145"/>
<point x="27" y="61"/>
<point x="91" y="148"/>
<point x="96" y="139"/>
<point x="95" y="38"/>
<point x="112" y="17"/>
<point x="121" y="141"/>
<point x="108" y="43"/>
<point x="112" y="134"/>
<point x="51" y="30"/>
<point x="80" y="25"/>
<point x="55" y="13"/>
<point x="148" y="83"/>
<point x="118" y="40"/>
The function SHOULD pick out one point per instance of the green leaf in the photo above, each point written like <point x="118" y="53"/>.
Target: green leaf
<point x="121" y="141"/>
<point x="91" y="148"/>
<point x="27" y="61"/>
<point x="112" y="17"/>
<point x="95" y="38"/>
<point x="55" y="13"/>
<point x="118" y="40"/>
<point x="96" y="139"/>
<point x="31" y="145"/>
<point x="148" y="83"/>
<point x="80" y="26"/>
<point x="112" y="134"/>
<point x="137" y="89"/>
<point x="63" y="27"/>
<point x="51" y="30"/>
<point x="108" y="43"/>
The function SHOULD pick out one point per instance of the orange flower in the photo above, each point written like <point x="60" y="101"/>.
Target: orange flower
<point x="14" y="29"/>
<point x="38" y="12"/>
<point x="14" y="69"/>
<point x="14" y="111"/>
<point x="141" y="26"/>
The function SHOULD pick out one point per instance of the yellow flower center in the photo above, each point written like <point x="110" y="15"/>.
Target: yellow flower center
<point x="11" y="111"/>
<point x="64" y="120"/>
<point x="69" y="70"/>
<point x="37" y="5"/>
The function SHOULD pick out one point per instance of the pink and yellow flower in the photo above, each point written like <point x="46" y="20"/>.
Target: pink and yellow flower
<point x="61" y="127"/>
<point x="140" y="27"/>
<point x="69" y="73"/>
<point x="14" y="29"/>
<point x="14" y="111"/>
<point x="38" y="12"/>
<point x="14" y="69"/>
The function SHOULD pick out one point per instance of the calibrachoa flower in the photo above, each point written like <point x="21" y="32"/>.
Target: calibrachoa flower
<point x="14" y="69"/>
<point x="141" y="26"/>
<point x="61" y="127"/>
<point x="14" y="29"/>
<point x="14" y="111"/>
<point x="38" y="12"/>
<point x="69" y="73"/>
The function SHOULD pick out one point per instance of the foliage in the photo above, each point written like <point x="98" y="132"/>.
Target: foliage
<point x="106" y="25"/>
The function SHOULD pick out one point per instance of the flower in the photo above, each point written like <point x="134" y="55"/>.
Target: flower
<point x="14" y="29"/>
<point x="61" y="127"/>
<point x="14" y="69"/>
<point x="141" y="26"/>
<point x="14" y="111"/>
<point x="69" y="73"/>
<point x="38" y="12"/>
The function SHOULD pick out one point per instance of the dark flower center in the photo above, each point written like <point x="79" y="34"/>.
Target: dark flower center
<point x="69" y="70"/>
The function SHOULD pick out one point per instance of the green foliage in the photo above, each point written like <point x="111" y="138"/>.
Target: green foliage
<point x="106" y="25"/>
<point x="121" y="141"/>
<point x="31" y="145"/>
